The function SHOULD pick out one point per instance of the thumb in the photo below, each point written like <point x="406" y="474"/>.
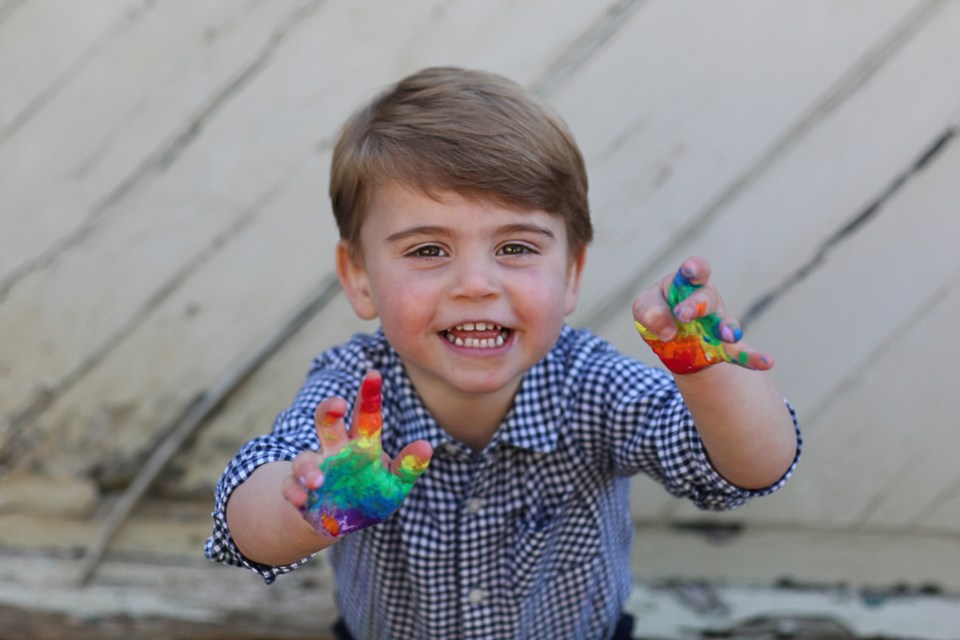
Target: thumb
<point x="412" y="461"/>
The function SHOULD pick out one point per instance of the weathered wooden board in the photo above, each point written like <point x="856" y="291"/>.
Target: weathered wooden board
<point x="71" y="177"/>
<point x="41" y="43"/>
<point x="802" y="195"/>
<point x="802" y="202"/>
<point x="178" y="296"/>
<point x="683" y="104"/>
<point x="163" y="209"/>
<point x="879" y="438"/>
<point x="121" y="116"/>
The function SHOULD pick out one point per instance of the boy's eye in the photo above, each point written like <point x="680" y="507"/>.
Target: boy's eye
<point x="515" y="249"/>
<point x="428" y="251"/>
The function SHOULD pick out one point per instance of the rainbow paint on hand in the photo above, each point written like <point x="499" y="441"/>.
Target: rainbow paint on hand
<point x="358" y="490"/>
<point x="698" y="343"/>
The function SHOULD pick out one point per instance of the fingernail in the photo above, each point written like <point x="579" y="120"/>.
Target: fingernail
<point x="683" y="313"/>
<point x="313" y="481"/>
<point x="730" y="334"/>
<point x="332" y="416"/>
<point x="688" y="273"/>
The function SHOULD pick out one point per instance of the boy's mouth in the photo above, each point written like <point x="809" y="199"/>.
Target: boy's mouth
<point x="477" y="335"/>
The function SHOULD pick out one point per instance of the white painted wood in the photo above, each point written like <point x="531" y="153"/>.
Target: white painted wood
<point x="109" y="127"/>
<point x="682" y="103"/>
<point x="802" y="114"/>
<point x="826" y="178"/>
<point x="808" y="557"/>
<point x="227" y="198"/>
<point x="40" y="44"/>
<point x="879" y="288"/>
<point x="904" y="432"/>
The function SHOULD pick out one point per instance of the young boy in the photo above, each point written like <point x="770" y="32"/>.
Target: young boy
<point x="462" y="208"/>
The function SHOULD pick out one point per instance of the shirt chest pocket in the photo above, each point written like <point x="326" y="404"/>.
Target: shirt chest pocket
<point x="555" y="542"/>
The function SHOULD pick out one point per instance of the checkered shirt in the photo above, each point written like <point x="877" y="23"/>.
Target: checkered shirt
<point x="529" y="538"/>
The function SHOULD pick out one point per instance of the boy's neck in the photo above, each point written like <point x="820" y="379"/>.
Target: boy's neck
<point x="471" y="419"/>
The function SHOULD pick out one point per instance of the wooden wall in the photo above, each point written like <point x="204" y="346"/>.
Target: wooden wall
<point x="163" y="169"/>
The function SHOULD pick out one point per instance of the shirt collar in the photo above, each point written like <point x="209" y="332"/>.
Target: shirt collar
<point x="532" y="423"/>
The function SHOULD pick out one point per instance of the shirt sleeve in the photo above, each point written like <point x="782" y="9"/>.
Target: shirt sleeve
<point x="655" y="434"/>
<point x="293" y="431"/>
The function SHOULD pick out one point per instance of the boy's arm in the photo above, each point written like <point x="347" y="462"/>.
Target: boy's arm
<point x="746" y="429"/>
<point x="266" y="527"/>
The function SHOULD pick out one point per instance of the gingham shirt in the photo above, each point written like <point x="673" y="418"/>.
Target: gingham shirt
<point x="529" y="538"/>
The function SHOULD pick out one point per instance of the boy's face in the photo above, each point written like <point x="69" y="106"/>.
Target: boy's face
<point x="470" y="294"/>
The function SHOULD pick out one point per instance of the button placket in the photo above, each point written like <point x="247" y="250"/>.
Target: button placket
<point x="474" y="505"/>
<point x="476" y="556"/>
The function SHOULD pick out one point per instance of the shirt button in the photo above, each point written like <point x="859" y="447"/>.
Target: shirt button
<point x="474" y="505"/>
<point x="476" y="596"/>
<point x="449" y="447"/>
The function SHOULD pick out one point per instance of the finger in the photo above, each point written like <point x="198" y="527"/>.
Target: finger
<point x="653" y="316"/>
<point x="728" y="330"/>
<point x="712" y="325"/>
<point x="306" y="469"/>
<point x="331" y="430"/>
<point x="742" y="355"/>
<point x="698" y="304"/>
<point x="294" y="492"/>
<point x="412" y="461"/>
<point x="693" y="271"/>
<point x="367" y="413"/>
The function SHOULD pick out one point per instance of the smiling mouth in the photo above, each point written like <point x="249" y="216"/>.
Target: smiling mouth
<point x="477" y="335"/>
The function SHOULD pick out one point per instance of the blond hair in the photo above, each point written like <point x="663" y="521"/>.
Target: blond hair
<point x="471" y="132"/>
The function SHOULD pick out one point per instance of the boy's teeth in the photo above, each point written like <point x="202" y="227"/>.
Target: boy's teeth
<point x="477" y="326"/>
<point x="476" y="343"/>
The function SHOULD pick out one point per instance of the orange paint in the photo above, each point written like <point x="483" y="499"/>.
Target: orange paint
<point x="330" y="524"/>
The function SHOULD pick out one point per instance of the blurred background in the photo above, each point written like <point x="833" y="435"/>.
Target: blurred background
<point x="166" y="276"/>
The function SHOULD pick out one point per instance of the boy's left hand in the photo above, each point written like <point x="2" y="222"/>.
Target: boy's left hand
<point x="683" y="320"/>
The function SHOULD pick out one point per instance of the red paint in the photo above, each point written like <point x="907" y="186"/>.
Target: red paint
<point x="683" y="355"/>
<point x="370" y="421"/>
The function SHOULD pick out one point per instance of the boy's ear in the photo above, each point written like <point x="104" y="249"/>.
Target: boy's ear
<point x="574" y="276"/>
<point x="355" y="281"/>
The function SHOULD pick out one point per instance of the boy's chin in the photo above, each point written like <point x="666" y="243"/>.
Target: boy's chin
<point x="473" y="383"/>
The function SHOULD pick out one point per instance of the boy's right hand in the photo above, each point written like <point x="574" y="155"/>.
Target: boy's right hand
<point x="350" y="483"/>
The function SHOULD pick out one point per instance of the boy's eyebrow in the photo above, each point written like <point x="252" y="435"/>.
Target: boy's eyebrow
<point x="425" y="230"/>
<point x="525" y="227"/>
<point x="446" y="232"/>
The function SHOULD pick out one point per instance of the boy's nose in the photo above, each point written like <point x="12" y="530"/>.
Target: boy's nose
<point x="475" y="278"/>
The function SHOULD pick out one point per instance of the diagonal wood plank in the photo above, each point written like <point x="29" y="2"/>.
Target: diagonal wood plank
<point x="224" y="203"/>
<point x="872" y="325"/>
<point x="120" y="117"/>
<point x="43" y="43"/>
<point x="703" y="115"/>
<point x="816" y="188"/>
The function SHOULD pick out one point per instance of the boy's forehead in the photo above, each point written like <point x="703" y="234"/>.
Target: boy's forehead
<point x="415" y="200"/>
